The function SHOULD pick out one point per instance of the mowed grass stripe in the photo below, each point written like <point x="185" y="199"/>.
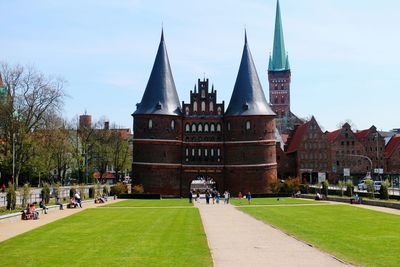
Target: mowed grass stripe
<point x="356" y="235"/>
<point x="113" y="237"/>
<point x="272" y="201"/>
<point x="152" y="203"/>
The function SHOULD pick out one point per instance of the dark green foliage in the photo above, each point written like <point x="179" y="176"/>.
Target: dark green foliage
<point x="349" y="188"/>
<point x="370" y="188"/>
<point x="325" y="188"/>
<point x="46" y="193"/>
<point x="291" y="185"/>
<point x="384" y="191"/>
<point x="91" y="192"/>
<point x="11" y="197"/>
<point x="118" y="189"/>
<point x="72" y="192"/>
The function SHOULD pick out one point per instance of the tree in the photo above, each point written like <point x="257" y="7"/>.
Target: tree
<point x="384" y="190"/>
<point x="349" y="188"/>
<point x="31" y="96"/>
<point x="342" y="185"/>
<point x="370" y="187"/>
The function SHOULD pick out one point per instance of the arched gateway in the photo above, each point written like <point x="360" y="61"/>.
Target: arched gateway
<point x="236" y="148"/>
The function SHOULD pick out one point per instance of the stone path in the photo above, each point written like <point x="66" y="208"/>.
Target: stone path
<point x="237" y="239"/>
<point x="11" y="229"/>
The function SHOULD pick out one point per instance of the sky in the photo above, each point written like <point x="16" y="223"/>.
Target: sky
<point x="344" y="55"/>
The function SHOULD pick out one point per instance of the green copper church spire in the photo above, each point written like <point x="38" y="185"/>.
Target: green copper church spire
<point x="279" y="60"/>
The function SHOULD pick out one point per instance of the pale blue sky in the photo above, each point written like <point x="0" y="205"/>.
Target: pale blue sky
<point x="344" y="55"/>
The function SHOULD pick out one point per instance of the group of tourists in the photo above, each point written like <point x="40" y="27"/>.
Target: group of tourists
<point x="30" y="212"/>
<point x="214" y="196"/>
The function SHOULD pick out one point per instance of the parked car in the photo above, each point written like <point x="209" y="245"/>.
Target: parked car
<point x="363" y="186"/>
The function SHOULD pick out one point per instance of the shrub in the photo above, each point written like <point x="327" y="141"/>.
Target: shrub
<point x="26" y="193"/>
<point x="342" y="185"/>
<point x="11" y="197"/>
<point x="91" y="192"/>
<point x="370" y="187"/>
<point x="46" y="193"/>
<point x="118" y="189"/>
<point x="106" y="189"/>
<point x="305" y="188"/>
<point x="349" y="188"/>
<point x="137" y="189"/>
<point x="384" y="191"/>
<point x="325" y="187"/>
<point x="72" y="191"/>
<point x="292" y="185"/>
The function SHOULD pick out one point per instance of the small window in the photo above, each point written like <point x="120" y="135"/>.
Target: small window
<point x="218" y="127"/>
<point x="203" y="93"/>
<point x="219" y="110"/>
<point x="187" y="152"/>
<point x="193" y="152"/>
<point x="199" y="150"/>
<point x="228" y="125"/>
<point x="150" y="124"/>
<point x="200" y="128"/>
<point x="206" y="127"/>
<point x="206" y="152"/>
<point x="203" y="106"/>
<point x="212" y="152"/>
<point x="194" y="127"/>
<point x="211" y="106"/>
<point x="248" y="125"/>
<point x="173" y="124"/>
<point x="194" y="106"/>
<point x="212" y="128"/>
<point x="218" y="152"/>
<point x="187" y="111"/>
<point x="187" y="127"/>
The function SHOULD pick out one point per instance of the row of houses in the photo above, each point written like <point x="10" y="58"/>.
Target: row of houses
<point x="312" y="154"/>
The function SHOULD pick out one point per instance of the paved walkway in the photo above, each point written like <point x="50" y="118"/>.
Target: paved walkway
<point x="11" y="229"/>
<point x="237" y="239"/>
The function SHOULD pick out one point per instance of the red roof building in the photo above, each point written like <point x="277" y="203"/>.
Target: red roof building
<point x="392" y="155"/>
<point x="374" y="146"/>
<point x="308" y="151"/>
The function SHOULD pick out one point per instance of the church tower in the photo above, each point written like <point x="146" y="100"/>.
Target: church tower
<point x="157" y="124"/>
<point x="279" y="76"/>
<point x="250" y="155"/>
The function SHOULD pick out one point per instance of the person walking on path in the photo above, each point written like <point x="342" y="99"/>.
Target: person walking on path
<point x="207" y="197"/>
<point x="78" y="199"/>
<point x="213" y="196"/>
<point x="218" y="196"/>
<point x="197" y="196"/>
<point x="190" y="197"/>
<point x="240" y="196"/>
<point x="248" y="196"/>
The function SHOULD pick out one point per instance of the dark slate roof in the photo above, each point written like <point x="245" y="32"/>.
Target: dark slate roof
<point x="248" y="96"/>
<point x="160" y="96"/>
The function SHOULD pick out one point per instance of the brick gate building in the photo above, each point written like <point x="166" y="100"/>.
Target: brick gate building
<point x="174" y="144"/>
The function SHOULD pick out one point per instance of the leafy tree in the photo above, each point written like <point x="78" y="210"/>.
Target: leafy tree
<point x="342" y="185"/>
<point x="349" y="188"/>
<point x="325" y="188"/>
<point x="275" y="186"/>
<point x="384" y="190"/>
<point x="46" y="193"/>
<point x="370" y="187"/>
<point x="26" y="193"/>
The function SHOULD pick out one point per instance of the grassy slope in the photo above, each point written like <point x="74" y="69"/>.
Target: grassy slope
<point x="151" y="203"/>
<point x="357" y="235"/>
<point x="113" y="237"/>
<point x="272" y="201"/>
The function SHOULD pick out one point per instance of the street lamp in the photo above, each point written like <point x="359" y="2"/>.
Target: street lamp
<point x="364" y="157"/>
<point x="13" y="160"/>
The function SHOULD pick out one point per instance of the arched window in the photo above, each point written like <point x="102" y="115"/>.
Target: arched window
<point x="212" y="128"/>
<point x="218" y="152"/>
<point x="187" y="127"/>
<point x="194" y="127"/>
<point x="203" y="106"/>
<point x="206" y="152"/>
<point x="194" y="106"/>
<point x="199" y="150"/>
<point x="187" y="152"/>
<point x="150" y="124"/>
<point x="206" y="127"/>
<point x="218" y="127"/>
<point x="203" y="93"/>
<point x="193" y="152"/>
<point x="282" y="99"/>
<point x="173" y="124"/>
<point x="212" y="152"/>
<point x="248" y="125"/>
<point x="187" y="111"/>
<point x="211" y="106"/>
<point x="200" y="128"/>
<point x="219" y="110"/>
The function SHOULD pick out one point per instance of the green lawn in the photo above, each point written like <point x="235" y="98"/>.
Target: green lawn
<point x="272" y="201"/>
<point x="360" y="236"/>
<point x="113" y="237"/>
<point x="151" y="203"/>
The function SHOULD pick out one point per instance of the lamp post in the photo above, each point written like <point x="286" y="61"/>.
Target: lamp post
<point x="364" y="157"/>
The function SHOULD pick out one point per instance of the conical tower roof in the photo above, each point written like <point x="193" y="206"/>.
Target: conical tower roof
<point x="248" y="96"/>
<point x="280" y="59"/>
<point x="160" y="96"/>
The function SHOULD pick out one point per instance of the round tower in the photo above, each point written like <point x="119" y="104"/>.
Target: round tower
<point x="157" y="124"/>
<point x="250" y="152"/>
